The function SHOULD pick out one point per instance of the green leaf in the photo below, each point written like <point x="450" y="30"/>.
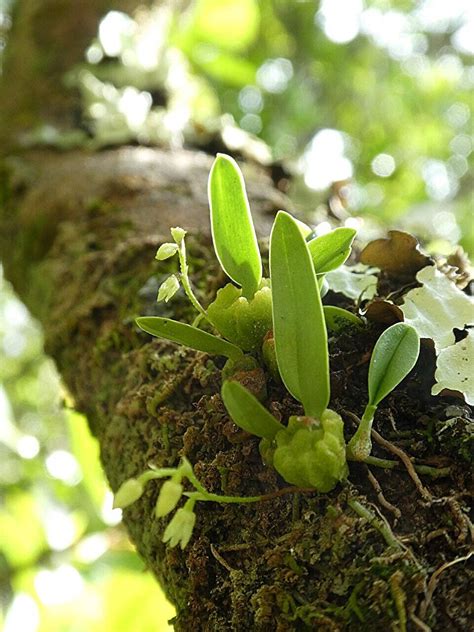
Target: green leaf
<point x="331" y="250"/>
<point x="248" y="413"/>
<point x="188" y="336"/>
<point x="233" y="233"/>
<point x="168" y="289"/>
<point x="165" y="251"/>
<point x="338" y="318"/>
<point x="393" y="357"/>
<point x="305" y="230"/>
<point x="298" y="320"/>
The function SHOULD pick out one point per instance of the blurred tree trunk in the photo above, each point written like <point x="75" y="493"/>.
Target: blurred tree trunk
<point x="78" y="234"/>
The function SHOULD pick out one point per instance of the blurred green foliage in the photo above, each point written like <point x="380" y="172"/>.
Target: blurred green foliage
<point x="366" y="104"/>
<point x="65" y="562"/>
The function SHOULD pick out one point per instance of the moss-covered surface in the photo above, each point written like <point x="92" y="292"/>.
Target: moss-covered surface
<point x="373" y="554"/>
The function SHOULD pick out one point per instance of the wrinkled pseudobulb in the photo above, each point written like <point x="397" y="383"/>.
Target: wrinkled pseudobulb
<point x="241" y="321"/>
<point x="312" y="453"/>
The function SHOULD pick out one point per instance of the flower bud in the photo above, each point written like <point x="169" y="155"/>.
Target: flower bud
<point x="128" y="493"/>
<point x="170" y="494"/>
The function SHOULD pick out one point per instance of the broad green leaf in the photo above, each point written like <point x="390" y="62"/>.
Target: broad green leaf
<point x="393" y="357"/>
<point x="165" y="251"/>
<point x="188" y="336"/>
<point x="168" y="289"/>
<point x="298" y="320"/>
<point x="338" y="318"/>
<point x="233" y="233"/>
<point x="248" y="413"/>
<point x="331" y="250"/>
<point x="305" y="230"/>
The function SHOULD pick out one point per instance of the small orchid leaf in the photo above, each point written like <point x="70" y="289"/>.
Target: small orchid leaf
<point x="168" y="288"/>
<point x="188" y="336"/>
<point x="305" y="230"/>
<point x="165" y="251"/>
<point x="338" y="318"/>
<point x="248" y="413"/>
<point x="331" y="250"/>
<point x="298" y="319"/>
<point x="233" y="232"/>
<point x="393" y="357"/>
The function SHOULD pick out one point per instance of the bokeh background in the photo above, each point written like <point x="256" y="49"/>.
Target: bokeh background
<point x="364" y="110"/>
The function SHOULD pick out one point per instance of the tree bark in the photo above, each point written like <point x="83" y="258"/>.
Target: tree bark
<point x="78" y="236"/>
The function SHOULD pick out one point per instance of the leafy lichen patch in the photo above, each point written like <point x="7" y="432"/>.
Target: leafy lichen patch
<point x="355" y="282"/>
<point x="454" y="368"/>
<point x="437" y="307"/>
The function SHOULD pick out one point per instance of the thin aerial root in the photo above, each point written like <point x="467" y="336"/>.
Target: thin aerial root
<point x="403" y="456"/>
<point x="434" y="579"/>
<point x="380" y="496"/>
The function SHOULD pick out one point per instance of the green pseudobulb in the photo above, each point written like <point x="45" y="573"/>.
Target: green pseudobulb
<point x="312" y="454"/>
<point x="241" y="321"/>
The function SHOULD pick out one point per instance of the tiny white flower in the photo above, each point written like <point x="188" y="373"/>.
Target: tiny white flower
<point x="168" y="288"/>
<point x="180" y="528"/>
<point x="170" y="494"/>
<point x="178" y="234"/>
<point x="128" y="493"/>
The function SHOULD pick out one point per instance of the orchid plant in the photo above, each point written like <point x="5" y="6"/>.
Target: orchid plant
<point x="278" y="321"/>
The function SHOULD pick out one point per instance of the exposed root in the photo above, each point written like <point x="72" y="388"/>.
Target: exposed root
<point x="220" y="559"/>
<point x="380" y="524"/>
<point x="403" y="456"/>
<point x="381" y="498"/>
<point x="434" y="580"/>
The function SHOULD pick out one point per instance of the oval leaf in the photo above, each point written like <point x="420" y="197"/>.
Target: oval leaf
<point x="393" y="357"/>
<point x="298" y="320"/>
<point x="331" y="250"/>
<point x="233" y="233"/>
<point x="248" y="413"/>
<point x="188" y="336"/>
<point x="338" y="318"/>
